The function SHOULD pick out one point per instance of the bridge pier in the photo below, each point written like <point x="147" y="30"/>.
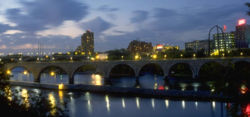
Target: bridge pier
<point x="71" y="79"/>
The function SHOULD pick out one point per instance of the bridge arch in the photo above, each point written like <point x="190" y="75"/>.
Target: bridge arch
<point x="51" y="75"/>
<point x="25" y="74"/>
<point x="181" y="70"/>
<point x="155" y="68"/>
<point x="122" y="70"/>
<point x="87" y="74"/>
<point x="241" y="71"/>
<point x="210" y="70"/>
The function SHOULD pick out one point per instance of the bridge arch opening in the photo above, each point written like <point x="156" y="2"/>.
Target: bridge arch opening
<point x="151" y="68"/>
<point x="181" y="71"/>
<point x="241" y="72"/>
<point x="86" y="74"/>
<point x="122" y="75"/>
<point x="53" y="75"/>
<point x="211" y="71"/>
<point x="20" y="73"/>
<point x="151" y="76"/>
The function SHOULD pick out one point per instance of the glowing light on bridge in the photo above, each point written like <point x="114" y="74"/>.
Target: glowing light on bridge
<point x="241" y="53"/>
<point x="137" y="57"/>
<point x="154" y="56"/>
<point x="165" y="56"/>
<point x="8" y="72"/>
<point x="52" y="73"/>
<point x="25" y="72"/>
<point x="96" y="79"/>
<point x="61" y="86"/>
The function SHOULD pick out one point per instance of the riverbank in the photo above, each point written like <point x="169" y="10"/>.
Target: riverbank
<point x="170" y="94"/>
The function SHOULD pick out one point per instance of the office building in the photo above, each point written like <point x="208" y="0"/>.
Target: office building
<point x="242" y="34"/>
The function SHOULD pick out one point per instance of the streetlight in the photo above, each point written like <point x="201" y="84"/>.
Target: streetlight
<point x="25" y="72"/>
<point x="52" y="73"/>
<point x="122" y="57"/>
<point x="194" y="55"/>
<point x="137" y="57"/>
<point x="8" y="72"/>
<point x="241" y="53"/>
<point x="154" y="56"/>
<point x="165" y="56"/>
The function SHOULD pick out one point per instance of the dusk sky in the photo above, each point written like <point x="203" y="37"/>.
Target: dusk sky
<point x="60" y="23"/>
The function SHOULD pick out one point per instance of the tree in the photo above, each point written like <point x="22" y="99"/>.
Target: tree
<point x="248" y="5"/>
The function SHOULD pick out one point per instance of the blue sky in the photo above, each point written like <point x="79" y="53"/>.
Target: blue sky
<point x="58" y="24"/>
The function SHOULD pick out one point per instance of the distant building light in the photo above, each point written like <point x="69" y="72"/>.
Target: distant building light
<point x="224" y="28"/>
<point x="159" y="47"/>
<point x="242" y="22"/>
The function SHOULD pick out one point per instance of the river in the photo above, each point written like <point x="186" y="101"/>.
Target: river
<point x="90" y="104"/>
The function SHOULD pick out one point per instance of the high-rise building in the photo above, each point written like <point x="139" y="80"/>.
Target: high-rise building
<point x="224" y="42"/>
<point x="87" y="43"/>
<point x="197" y="45"/>
<point x="242" y="34"/>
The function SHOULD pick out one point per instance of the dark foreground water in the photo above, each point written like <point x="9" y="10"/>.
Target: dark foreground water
<point x="87" y="104"/>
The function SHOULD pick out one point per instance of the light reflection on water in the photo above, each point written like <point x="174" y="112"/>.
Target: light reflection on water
<point x="95" y="105"/>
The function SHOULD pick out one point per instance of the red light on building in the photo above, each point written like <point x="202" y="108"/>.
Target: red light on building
<point x="159" y="46"/>
<point x="224" y="28"/>
<point x="242" y="22"/>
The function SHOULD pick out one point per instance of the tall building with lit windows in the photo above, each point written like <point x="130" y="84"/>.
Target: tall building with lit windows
<point x="87" y="43"/>
<point x="242" y="34"/>
<point x="224" y="42"/>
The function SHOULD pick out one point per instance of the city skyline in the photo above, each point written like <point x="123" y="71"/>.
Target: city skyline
<point x="25" y="23"/>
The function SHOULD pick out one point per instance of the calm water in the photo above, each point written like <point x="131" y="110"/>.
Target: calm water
<point x="103" y="105"/>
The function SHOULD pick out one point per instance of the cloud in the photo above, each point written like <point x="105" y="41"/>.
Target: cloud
<point x="4" y="27"/>
<point x="139" y="16"/>
<point x="11" y="32"/>
<point x="106" y="8"/>
<point x="97" y="25"/>
<point x="68" y="28"/>
<point x="176" y="27"/>
<point x="3" y="46"/>
<point x="39" y="14"/>
<point x="30" y="46"/>
<point x="164" y="13"/>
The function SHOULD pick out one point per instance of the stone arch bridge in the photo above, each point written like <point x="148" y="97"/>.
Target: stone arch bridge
<point x="105" y="67"/>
